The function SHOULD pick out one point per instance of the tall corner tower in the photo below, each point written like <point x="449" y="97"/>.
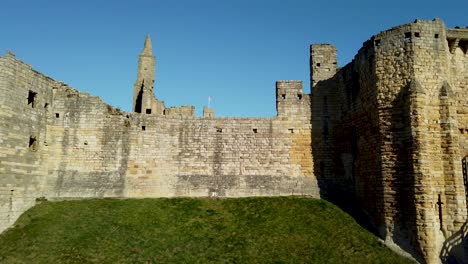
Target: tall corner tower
<point x="143" y="93"/>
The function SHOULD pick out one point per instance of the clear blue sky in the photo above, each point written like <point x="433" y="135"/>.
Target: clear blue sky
<point x="233" y="50"/>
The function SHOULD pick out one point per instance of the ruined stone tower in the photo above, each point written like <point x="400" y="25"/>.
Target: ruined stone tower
<point x="144" y="100"/>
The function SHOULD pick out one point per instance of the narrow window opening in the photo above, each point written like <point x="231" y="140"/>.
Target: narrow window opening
<point x="283" y="96"/>
<point x="465" y="176"/>
<point x="31" y="98"/>
<point x="377" y="42"/>
<point x="325" y="130"/>
<point x="46" y="105"/>
<point x="143" y="128"/>
<point x="440" y="203"/>
<point x="408" y="36"/>
<point x="416" y="34"/>
<point x="290" y="130"/>
<point x="436" y="36"/>
<point x="57" y="115"/>
<point x="32" y="143"/>
<point x="318" y="64"/>
<point x="255" y="130"/>
<point x="335" y="63"/>
<point x="164" y="112"/>
<point x="299" y="96"/>
<point x="461" y="130"/>
<point x="148" y="111"/>
<point x="86" y="143"/>
<point x="325" y="105"/>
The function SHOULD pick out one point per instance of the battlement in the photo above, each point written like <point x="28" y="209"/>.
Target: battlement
<point x="182" y="111"/>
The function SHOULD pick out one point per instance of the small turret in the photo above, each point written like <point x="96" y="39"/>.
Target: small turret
<point x="208" y="112"/>
<point x="289" y="98"/>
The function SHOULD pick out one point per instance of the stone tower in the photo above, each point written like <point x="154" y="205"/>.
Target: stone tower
<point x="322" y="63"/>
<point x="143" y="94"/>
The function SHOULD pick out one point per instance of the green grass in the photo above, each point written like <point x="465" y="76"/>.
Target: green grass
<point x="183" y="230"/>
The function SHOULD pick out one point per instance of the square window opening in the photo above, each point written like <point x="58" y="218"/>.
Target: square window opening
<point x="416" y="34"/>
<point x="57" y="115"/>
<point x="283" y="97"/>
<point x="299" y="96"/>
<point x="219" y="130"/>
<point x="148" y="111"/>
<point x="143" y="128"/>
<point x="436" y="35"/>
<point x="377" y="42"/>
<point x="408" y="36"/>
<point x="31" y="98"/>
<point x="32" y="143"/>
<point x="255" y="130"/>
<point x="318" y="64"/>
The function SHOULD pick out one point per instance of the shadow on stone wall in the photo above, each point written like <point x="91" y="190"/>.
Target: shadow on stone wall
<point x="335" y="150"/>
<point x="402" y="181"/>
<point x="376" y="189"/>
<point x="455" y="248"/>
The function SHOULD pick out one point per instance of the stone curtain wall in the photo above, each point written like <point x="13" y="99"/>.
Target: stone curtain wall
<point x="227" y="157"/>
<point x="88" y="146"/>
<point x="25" y="101"/>
<point x="73" y="145"/>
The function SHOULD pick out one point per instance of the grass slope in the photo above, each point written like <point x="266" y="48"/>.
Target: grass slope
<point x="184" y="230"/>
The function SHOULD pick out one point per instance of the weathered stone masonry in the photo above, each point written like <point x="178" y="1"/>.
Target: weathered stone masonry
<point x="387" y="132"/>
<point x="82" y="147"/>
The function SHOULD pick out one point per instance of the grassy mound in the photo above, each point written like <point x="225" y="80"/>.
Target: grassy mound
<point x="183" y="230"/>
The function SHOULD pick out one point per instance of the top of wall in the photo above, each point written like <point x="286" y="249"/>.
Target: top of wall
<point x="187" y="111"/>
<point x="451" y="33"/>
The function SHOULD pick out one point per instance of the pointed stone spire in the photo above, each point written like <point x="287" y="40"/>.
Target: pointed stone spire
<point x="148" y="48"/>
<point x="143" y="95"/>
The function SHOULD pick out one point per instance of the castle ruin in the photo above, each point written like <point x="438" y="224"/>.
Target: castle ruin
<point x="387" y="132"/>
